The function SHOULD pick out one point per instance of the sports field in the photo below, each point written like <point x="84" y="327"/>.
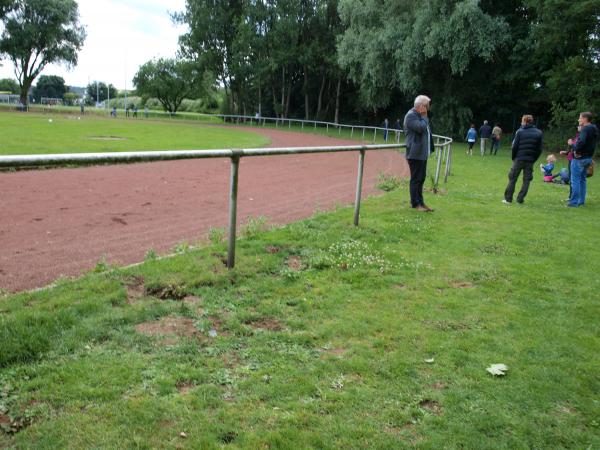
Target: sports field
<point x="326" y="335"/>
<point x="24" y="134"/>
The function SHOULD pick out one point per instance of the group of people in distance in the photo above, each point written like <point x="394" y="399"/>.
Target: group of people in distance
<point x="526" y="150"/>
<point x="487" y="135"/>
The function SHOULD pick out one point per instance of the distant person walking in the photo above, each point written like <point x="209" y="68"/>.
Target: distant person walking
<point x="398" y="127"/>
<point x="386" y="126"/>
<point x="485" y="133"/>
<point x="583" y="152"/>
<point x="496" y="136"/>
<point x="419" y="144"/>
<point x="526" y="149"/>
<point x="471" y="138"/>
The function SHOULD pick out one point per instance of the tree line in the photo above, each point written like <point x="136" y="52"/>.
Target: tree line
<point x="365" y="60"/>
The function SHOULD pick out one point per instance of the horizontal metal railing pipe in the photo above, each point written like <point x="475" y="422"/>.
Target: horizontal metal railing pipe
<point x="15" y="161"/>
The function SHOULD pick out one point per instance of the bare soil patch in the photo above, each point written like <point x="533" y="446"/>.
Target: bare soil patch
<point x="462" y="284"/>
<point x="431" y="405"/>
<point x="294" y="263"/>
<point x="170" y="329"/>
<point x="266" y="323"/>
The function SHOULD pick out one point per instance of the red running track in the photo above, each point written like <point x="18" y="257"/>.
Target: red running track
<point x="61" y="222"/>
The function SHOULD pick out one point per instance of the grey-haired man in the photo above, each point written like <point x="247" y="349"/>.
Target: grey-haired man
<point x="419" y="144"/>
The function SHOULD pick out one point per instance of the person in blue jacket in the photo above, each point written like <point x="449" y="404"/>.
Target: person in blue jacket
<point x="583" y="152"/>
<point x="471" y="139"/>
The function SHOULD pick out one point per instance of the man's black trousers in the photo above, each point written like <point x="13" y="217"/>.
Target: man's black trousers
<point x="513" y="175"/>
<point x="418" y="172"/>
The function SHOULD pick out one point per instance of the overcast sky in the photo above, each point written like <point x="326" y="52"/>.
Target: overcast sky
<point x="121" y="35"/>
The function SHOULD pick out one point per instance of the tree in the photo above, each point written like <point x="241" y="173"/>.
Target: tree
<point x="9" y="85"/>
<point x="39" y="32"/>
<point x="51" y="86"/>
<point x="170" y="81"/>
<point x="100" y="91"/>
<point x="429" y="47"/>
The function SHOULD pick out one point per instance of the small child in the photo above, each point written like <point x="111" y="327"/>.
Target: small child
<point x="471" y="138"/>
<point x="548" y="168"/>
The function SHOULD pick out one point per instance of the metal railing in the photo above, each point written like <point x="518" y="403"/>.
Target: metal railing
<point x="442" y="144"/>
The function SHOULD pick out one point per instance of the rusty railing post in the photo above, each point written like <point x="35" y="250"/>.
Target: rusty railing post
<point x="233" y="191"/>
<point x="359" y="181"/>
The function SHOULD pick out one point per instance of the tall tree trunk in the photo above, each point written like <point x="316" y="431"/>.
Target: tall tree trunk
<point x="337" y="100"/>
<point x="282" y="91"/>
<point x="320" y="100"/>
<point x="24" y="94"/>
<point x="259" y="98"/>
<point x="274" y="98"/>
<point x="289" y="95"/>
<point x="306" y="106"/>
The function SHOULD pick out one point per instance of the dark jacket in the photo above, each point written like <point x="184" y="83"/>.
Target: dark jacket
<point x="527" y="145"/>
<point x="418" y="136"/>
<point x="587" y="142"/>
<point x="485" y="132"/>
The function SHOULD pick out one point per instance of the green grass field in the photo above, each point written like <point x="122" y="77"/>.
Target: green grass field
<point x="327" y="335"/>
<point x="33" y="133"/>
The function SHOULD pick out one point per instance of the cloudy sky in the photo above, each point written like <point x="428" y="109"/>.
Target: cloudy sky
<point x="121" y="35"/>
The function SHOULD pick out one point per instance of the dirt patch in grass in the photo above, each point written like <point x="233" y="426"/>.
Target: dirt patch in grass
<point x="265" y="323"/>
<point x="439" y="385"/>
<point x="432" y="406"/>
<point x="166" y="291"/>
<point x="185" y="387"/>
<point x="192" y="300"/>
<point x="339" y="351"/>
<point x="135" y="289"/>
<point x="462" y="284"/>
<point x="271" y="249"/>
<point x="169" y="329"/>
<point x="294" y="263"/>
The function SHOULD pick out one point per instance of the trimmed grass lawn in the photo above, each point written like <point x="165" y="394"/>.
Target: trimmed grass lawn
<point x="326" y="335"/>
<point x="32" y="133"/>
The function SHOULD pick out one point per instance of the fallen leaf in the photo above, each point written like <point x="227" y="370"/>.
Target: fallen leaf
<point x="497" y="369"/>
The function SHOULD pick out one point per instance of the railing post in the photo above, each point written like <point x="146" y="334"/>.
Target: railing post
<point x="359" y="180"/>
<point x="438" y="165"/>
<point x="233" y="190"/>
<point x="448" y="162"/>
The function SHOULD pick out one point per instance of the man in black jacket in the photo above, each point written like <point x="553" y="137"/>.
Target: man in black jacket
<point x="583" y="152"/>
<point x="526" y="149"/>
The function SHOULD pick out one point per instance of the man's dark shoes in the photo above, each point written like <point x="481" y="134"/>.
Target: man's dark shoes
<point x="423" y="208"/>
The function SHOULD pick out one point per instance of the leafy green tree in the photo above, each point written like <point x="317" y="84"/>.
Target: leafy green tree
<point x="71" y="98"/>
<point x="428" y="47"/>
<point x="100" y="91"/>
<point x="39" y="32"/>
<point x="9" y="85"/>
<point x="50" y="86"/>
<point x="170" y="81"/>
